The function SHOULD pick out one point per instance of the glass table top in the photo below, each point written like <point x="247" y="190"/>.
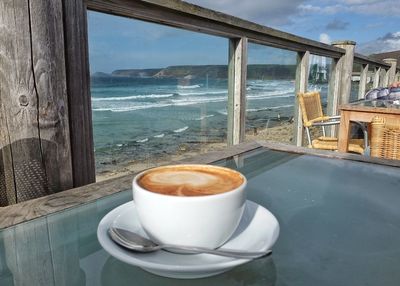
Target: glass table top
<point x="339" y="220"/>
<point x="393" y="104"/>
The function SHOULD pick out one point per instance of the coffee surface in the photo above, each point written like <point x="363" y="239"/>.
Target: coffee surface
<point x="190" y="180"/>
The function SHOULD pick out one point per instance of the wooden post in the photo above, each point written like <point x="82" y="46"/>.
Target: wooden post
<point x="383" y="80"/>
<point x="334" y="91"/>
<point x="44" y="91"/>
<point x="347" y="69"/>
<point x="35" y="145"/>
<point x="391" y="73"/>
<point x="377" y="76"/>
<point x="237" y="71"/>
<point x="303" y="59"/>
<point x="363" y="81"/>
<point x="78" y="84"/>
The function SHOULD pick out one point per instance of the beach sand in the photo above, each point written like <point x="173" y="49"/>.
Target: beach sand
<point x="281" y="133"/>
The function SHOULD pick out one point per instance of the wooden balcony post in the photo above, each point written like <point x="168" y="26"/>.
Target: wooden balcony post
<point x="35" y="150"/>
<point x="377" y="76"/>
<point x="303" y="59"/>
<point x="383" y="80"/>
<point x="43" y="75"/>
<point x="391" y="73"/>
<point x="363" y="81"/>
<point x="237" y="71"/>
<point x="78" y="87"/>
<point x="347" y="69"/>
<point x="334" y="90"/>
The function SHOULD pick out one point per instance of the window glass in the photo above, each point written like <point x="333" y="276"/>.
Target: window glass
<point x="158" y="93"/>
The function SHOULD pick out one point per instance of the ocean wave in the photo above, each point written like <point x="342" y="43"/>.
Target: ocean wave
<point x="159" y="135"/>
<point x="131" y="108"/>
<point x="132" y="97"/>
<point x="142" y="140"/>
<point x="203" y="93"/>
<point x="204" y="116"/>
<point x="184" y="101"/>
<point x="223" y="111"/>
<point x="181" y="129"/>
<point x="269" y="108"/>
<point x="188" y="86"/>
<point x="189" y="101"/>
<point x="274" y="93"/>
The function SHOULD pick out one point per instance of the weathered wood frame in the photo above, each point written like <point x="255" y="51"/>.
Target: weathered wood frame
<point x="58" y="75"/>
<point x="303" y="61"/>
<point x="363" y="80"/>
<point x="237" y="68"/>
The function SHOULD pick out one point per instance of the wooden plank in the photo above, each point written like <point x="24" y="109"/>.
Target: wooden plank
<point x="33" y="98"/>
<point x="50" y="79"/>
<point x="383" y="80"/>
<point x="344" y="131"/>
<point x="363" y="81"/>
<point x="78" y="86"/>
<point x="334" y="91"/>
<point x="391" y="73"/>
<point x="370" y="109"/>
<point x="16" y="84"/>
<point x="361" y="59"/>
<point x="237" y="90"/>
<point x="303" y="60"/>
<point x="347" y="69"/>
<point x="377" y="73"/>
<point x="7" y="184"/>
<point x="188" y="16"/>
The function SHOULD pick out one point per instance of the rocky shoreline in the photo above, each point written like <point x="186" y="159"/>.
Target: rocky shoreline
<point x="281" y="133"/>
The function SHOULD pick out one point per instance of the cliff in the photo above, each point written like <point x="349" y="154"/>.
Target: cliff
<point x="267" y="71"/>
<point x="136" y="72"/>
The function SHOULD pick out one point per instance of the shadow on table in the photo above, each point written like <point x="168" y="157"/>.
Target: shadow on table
<point x="259" y="271"/>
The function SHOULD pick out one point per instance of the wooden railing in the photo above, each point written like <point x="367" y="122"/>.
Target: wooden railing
<point x="45" y="88"/>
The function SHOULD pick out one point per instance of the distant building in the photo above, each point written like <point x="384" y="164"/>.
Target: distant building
<point x="387" y="55"/>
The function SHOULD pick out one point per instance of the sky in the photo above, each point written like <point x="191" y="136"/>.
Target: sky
<point x="121" y="43"/>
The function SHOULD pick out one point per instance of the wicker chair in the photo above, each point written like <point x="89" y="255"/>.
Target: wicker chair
<point x="312" y="115"/>
<point x="385" y="138"/>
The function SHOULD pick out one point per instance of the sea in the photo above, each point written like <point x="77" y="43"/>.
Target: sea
<point x="140" y="118"/>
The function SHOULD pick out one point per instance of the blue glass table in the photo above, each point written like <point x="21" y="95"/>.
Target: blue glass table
<point x="339" y="219"/>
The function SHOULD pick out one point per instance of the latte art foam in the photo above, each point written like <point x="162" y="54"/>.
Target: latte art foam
<point x="190" y="180"/>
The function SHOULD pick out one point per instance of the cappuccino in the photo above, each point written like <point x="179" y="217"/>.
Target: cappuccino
<point x="192" y="180"/>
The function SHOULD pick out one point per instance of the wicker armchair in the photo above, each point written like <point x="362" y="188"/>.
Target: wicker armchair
<point x="312" y="115"/>
<point x="385" y="138"/>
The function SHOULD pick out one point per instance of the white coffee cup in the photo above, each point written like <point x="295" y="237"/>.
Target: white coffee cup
<point x="201" y="220"/>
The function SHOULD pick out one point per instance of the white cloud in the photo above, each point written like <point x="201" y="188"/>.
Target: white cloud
<point x="309" y="8"/>
<point x="359" y="1"/>
<point x="324" y="38"/>
<point x="387" y="43"/>
<point x="268" y="12"/>
<point x="366" y="7"/>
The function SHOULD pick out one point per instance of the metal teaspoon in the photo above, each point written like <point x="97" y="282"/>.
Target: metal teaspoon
<point x="136" y="242"/>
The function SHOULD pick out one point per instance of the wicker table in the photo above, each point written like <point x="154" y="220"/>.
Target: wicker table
<point x="363" y="111"/>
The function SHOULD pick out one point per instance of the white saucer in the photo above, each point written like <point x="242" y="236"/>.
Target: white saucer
<point x="258" y="230"/>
